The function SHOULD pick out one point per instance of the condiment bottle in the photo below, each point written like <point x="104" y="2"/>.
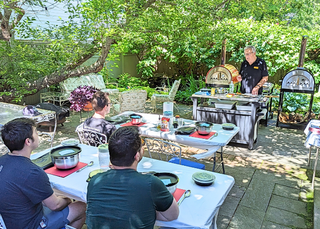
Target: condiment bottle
<point x="159" y="123"/>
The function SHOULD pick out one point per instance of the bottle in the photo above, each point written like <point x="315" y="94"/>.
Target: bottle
<point x="231" y="87"/>
<point x="159" y="123"/>
<point x="104" y="157"/>
<point x="213" y="91"/>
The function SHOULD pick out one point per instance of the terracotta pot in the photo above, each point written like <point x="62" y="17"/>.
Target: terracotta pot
<point x="88" y="107"/>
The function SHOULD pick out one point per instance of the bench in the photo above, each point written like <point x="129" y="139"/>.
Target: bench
<point x="68" y="85"/>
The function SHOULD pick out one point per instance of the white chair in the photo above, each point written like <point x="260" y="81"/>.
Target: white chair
<point x="90" y="137"/>
<point x="169" y="152"/>
<point x="165" y="98"/>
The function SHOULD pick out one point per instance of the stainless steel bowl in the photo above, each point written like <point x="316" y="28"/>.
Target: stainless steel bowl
<point x="136" y="119"/>
<point x="65" y="157"/>
<point x="67" y="162"/>
<point x="204" y="128"/>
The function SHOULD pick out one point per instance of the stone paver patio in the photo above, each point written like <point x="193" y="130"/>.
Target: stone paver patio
<point x="271" y="181"/>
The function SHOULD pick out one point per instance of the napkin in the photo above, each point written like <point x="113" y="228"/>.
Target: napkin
<point x="63" y="173"/>
<point x="196" y="135"/>
<point x="178" y="193"/>
<point x="130" y="124"/>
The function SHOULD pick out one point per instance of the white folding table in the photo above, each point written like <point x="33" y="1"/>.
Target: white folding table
<point x="211" y="145"/>
<point x="200" y="210"/>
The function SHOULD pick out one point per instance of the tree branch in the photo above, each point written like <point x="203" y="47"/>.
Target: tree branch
<point x="69" y="71"/>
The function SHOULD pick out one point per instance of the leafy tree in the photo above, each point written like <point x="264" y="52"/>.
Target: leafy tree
<point x="185" y="33"/>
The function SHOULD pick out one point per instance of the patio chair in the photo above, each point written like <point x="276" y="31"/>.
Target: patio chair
<point x="165" y="98"/>
<point x="169" y="152"/>
<point x="90" y="137"/>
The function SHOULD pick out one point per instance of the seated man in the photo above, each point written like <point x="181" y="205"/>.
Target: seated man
<point x="27" y="199"/>
<point x="101" y="105"/>
<point x="122" y="197"/>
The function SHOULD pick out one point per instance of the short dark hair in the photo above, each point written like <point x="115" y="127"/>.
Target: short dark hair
<point x="124" y="144"/>
<point x="100" y="100"/>
<point x="15" y="132"/>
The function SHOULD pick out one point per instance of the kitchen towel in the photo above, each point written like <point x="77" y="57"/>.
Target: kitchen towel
<point x="63" y="173"/>
<point x="178" y="193"/>
<point x="196" y="135"/>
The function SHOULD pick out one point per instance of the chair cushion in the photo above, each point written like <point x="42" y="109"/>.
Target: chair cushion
<point x="186" y="162"/>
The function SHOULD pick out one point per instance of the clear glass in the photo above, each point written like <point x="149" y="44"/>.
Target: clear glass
<point x="104" y="159"/>
<point x="180" y="122"/>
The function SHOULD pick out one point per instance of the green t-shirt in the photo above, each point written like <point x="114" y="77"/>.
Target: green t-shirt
<point x="125" y="199"/>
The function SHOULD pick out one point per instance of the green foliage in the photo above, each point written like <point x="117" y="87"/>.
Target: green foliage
<point x="297" y="103"/>
<point x="188" y="34"/>
<point x="127" y="81"/>
<point x="190" y="86"/>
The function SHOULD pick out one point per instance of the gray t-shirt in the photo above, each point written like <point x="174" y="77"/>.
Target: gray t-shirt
<point x="125" y="199"/>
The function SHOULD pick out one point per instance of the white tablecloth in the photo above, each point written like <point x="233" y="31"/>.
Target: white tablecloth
<point x="212" y="145"/>
<point x="313" y="139"/>
<point x="197" y="211"/>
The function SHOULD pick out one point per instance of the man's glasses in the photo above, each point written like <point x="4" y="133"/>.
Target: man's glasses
<point x="248" y="54"/>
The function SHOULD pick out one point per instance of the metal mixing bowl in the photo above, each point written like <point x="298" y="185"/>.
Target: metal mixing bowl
<point x="66" y="162"/>
<point x="136" y="119"/>
<point x="63" y="159"/>
<point x="204" y="128"/>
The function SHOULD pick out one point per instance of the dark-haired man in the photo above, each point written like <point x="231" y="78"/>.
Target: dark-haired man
<point x="124" y="198"/>
<point x="26" y="197"/>
<point x="101" y="105"/>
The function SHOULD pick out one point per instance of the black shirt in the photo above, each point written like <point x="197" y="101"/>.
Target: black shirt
<point x="252" y="74"/>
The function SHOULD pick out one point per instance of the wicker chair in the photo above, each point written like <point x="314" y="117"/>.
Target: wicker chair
<point x="90" y="137"/>
<point x="165" y="98"/>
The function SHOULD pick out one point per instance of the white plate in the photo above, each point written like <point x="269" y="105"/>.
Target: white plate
<point x="70" y="142"/>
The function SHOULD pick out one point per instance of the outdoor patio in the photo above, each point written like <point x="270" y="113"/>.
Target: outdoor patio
<point x="271" y="181"/>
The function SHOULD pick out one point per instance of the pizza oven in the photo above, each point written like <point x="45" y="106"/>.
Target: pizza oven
<point x="298" y="80"/>
<point x="221" y="76"/>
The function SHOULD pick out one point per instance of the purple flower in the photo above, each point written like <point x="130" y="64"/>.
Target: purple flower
<point x="80" y="97"/>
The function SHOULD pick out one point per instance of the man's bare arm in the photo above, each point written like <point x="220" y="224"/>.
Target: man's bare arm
<point x="171" y="213"/>
<point x="56" y="203"/>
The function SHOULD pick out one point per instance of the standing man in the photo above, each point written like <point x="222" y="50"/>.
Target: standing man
<point x="101" y="105"/>
<point x="26" y="197"/>
<point x="253" y="72"/>
<point x="124" y="198"/>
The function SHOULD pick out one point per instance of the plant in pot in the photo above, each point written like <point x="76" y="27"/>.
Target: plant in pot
<point x="81" y="97"/>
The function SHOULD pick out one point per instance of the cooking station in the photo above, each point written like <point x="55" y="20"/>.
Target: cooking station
<point x="243" y="110"/>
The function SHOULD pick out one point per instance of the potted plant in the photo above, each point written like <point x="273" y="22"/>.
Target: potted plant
<point x="81" y="97"/>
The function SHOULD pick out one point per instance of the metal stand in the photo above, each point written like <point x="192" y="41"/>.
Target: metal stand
<point x="315" y="166"/>
<point x="221" y="163"/>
